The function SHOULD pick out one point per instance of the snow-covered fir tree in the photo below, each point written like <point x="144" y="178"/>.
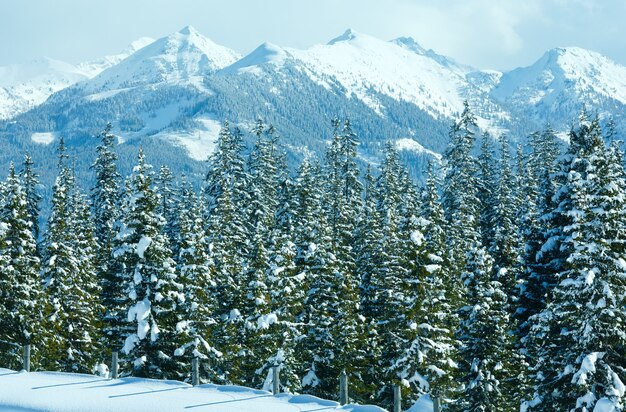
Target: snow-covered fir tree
<point x="259" y="323"/>
<point x="487" y="193"/>
<point x="506" y="247"/>
<point x="368" y="254"/>
<point x="227" y="233"/>
<point x="317" y="263"/>
<point x="153" y="292"/>
<point x="32" y="188"/>
<point x="485" y="349"/>
<point x="536" y="275"/>
<point x="196" y="322"/>
<point x="460" y="189"/>
<point x="344" y="199"/>
<point x="21" y="297"/>
<point x="68" y="268"/>
<point x="579" y="350"/>
<point x="441" y="294"/>
<point x="105" y="202"/>
<point x="391" y="282"/>
<point x="286" y="285"/>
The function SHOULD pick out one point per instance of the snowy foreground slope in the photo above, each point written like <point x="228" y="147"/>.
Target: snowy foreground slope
<point x="54" y="391"/>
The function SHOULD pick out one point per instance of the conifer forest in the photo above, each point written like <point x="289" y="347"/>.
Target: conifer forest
<point x="498" y="284"/>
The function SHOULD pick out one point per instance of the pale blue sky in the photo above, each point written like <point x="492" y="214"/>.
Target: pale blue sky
<point x="497" y="34"/>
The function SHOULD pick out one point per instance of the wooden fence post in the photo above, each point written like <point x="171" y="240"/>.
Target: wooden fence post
<point x="343" y="388"/>
<point x="436" y="407"/>
<point x="114" y="365"/>
<point x="27" y="357"/>
<point x="195" y="373"/>
<point x="276" y="380"/>
<point x="397" y="398"/>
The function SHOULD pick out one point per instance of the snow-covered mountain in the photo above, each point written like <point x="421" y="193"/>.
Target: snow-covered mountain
<point x="561" y="81"/>
<point x="94" y="67"/>
<point x="184" y="57"/>
<point x="363" y="64"/>
<point x="175" y="91"/>
<point x="24" y="86"/>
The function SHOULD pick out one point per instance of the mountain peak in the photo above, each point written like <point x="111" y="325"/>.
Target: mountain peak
<point x="348" y="35"/>
<point x="410" y="43"/>
<point x="571" y="55"/>
<point x="183" y="56"/>
<point x="265" y="53"/>
<point x="188" y="30"/>
<point x="562" y="74"/>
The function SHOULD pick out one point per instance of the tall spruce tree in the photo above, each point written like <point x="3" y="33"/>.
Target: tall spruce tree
<point x="68" y="268"/>
<point x="315" y="260"/>
<point x="21" y="298"/>
<point x="152" y="291"/>
<point x="485" y="340"/>
<point x="537" y="274"/>
<point x="225" y="197"/>
<point x="579" y="352"/>
<point x="345" y="192"/>
<point x="196" y="321"/>
<point x="105" y="202"/>
<point x="441" y="294"/>
<point x="460" y="189"/>
<point x="32" y="188"/>
<point x="368" y="255"/>
<point x="487" y="193"/>
<point x="391" y="281"/>
<point x="506" y="247"/>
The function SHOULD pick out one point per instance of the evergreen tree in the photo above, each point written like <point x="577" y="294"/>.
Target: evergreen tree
<point x="506" y="247"/>
<point x="68" y="269"/>
<point x="315" y="261"/>
<point x="487" y="180"/>
<point x="286" y="285"/>
<point x="485" y="339"/>
<point x="440" y="294"/>
<point x="460" y="197"/>
<point x="21" y="299"/>
<point x="196" y="322"/>
<point x="105" y="205"/>
<point x="537" y="274"/>
<point x="392" y="285"/>
<point x="227" y="233"/>
<point x="580" y="359"/>
<point x="33" y="196"/>
<point x="368" y="255"/>
<point x="164" y="184"/>
<point x="152" y="290"/>
<point x="345" y="189"/>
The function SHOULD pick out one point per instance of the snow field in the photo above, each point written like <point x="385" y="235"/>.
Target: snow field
<point x="56" y="392"/>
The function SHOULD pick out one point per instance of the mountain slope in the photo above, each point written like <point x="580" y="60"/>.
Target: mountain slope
<point x="178" y="89"/>
<point x="557" y="85"/>
<point x="171" y="96"/>
<point x="24" y="86"/>
<point x="94" y="67"/>
<point x="182" y="57"/>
